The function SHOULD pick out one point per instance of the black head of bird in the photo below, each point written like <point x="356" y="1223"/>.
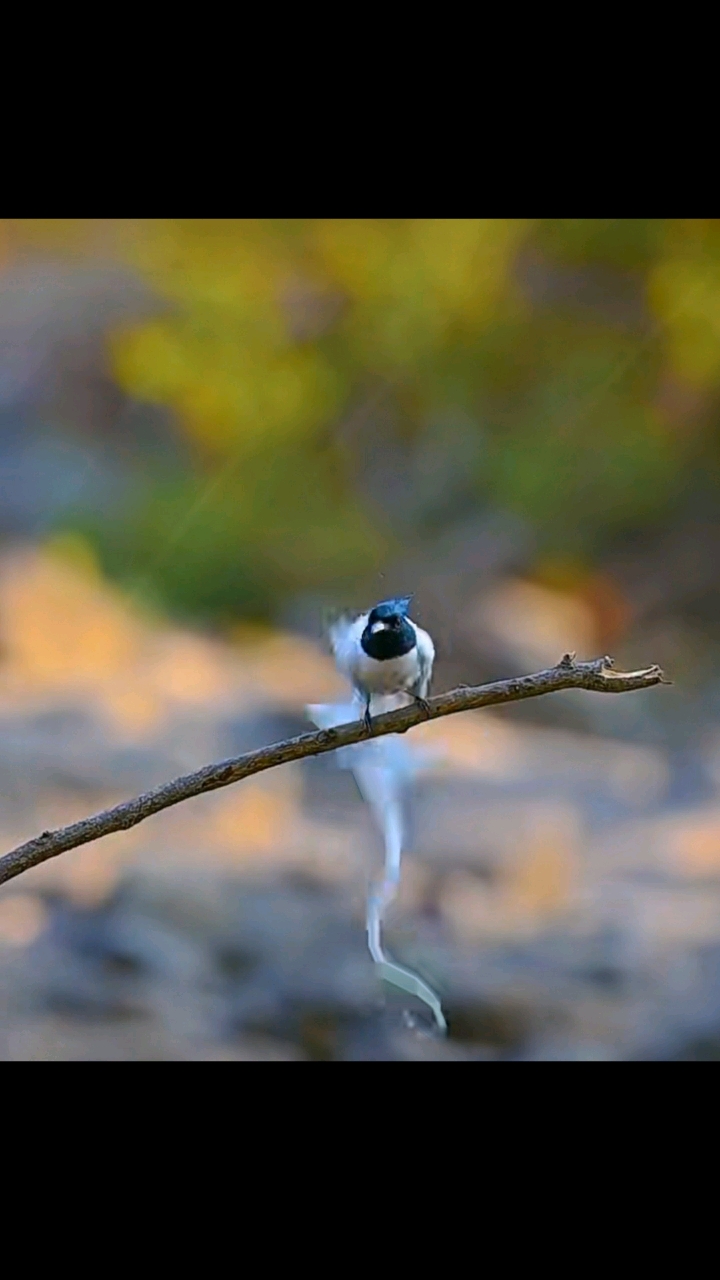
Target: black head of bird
<point x="388" y="633"/>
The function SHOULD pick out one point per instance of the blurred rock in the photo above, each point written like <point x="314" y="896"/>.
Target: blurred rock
<point x="532" y="623"/>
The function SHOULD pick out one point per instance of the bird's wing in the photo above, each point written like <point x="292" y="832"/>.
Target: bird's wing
<point x="426" y="658"/>
<point x="345" y="636"/>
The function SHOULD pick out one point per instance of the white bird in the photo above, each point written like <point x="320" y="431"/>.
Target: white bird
<point x="383" y="654"/>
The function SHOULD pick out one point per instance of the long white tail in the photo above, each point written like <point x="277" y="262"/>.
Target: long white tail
<point x="382" y="768"/>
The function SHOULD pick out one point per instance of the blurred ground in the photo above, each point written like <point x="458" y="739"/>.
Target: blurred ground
<point x="562" y="890"/>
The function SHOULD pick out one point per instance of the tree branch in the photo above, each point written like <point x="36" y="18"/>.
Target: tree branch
<point x="597" y="676"/>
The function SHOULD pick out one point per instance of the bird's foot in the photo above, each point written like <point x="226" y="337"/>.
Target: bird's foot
<point x="367" y="721"/>
<point x="422" y="702"/>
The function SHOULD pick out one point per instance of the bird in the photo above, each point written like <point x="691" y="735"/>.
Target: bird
<point x="383" y="653"/>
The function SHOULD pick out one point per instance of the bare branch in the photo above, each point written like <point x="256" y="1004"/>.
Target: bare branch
<point x="597" y="676"/>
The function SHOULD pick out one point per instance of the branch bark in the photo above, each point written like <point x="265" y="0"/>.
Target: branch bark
<point x="596" y="676"/>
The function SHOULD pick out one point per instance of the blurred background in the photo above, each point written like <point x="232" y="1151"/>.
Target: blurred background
<point x="213" y="434"/>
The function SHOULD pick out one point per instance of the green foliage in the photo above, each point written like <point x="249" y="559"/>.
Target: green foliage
<point x="553" y="342"/>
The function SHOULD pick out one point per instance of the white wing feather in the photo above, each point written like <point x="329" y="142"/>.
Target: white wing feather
<point x="345" y="643"/>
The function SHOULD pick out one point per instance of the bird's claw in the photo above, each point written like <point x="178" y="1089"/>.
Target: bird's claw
<point x="423" y="702"/>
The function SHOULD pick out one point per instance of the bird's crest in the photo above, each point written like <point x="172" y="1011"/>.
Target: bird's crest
<point x="399" y="604"/>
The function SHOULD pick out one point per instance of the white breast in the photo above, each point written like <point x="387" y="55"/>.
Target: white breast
<point x="391" y="676"/>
